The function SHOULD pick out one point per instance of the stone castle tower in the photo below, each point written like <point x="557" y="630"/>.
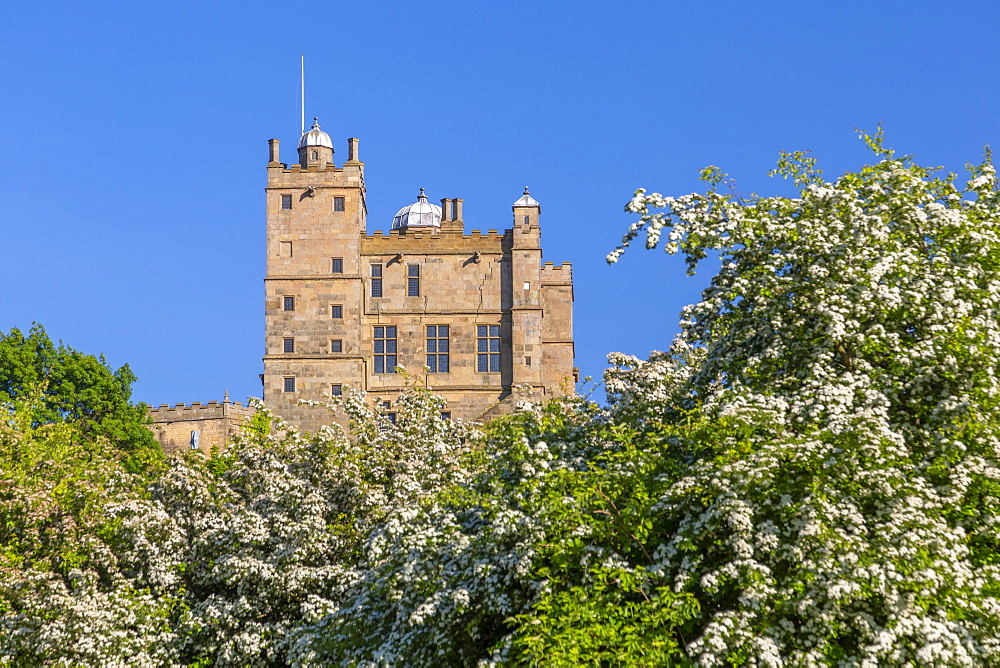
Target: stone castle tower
<point x="473" y="316"/>
<point x="476" y="317"/>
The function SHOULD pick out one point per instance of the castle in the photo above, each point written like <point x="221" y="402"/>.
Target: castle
<point x="476" y="317"/>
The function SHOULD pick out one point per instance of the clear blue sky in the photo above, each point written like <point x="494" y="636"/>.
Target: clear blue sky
<point x="135" y="142"/>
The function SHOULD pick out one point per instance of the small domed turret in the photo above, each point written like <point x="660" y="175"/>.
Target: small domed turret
<point x="316" y="137"/>
<point x="526" y="199"/>
<point x="315" y="147"/>
<point x="419" y="214"/>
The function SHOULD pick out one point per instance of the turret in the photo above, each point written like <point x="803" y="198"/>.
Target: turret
<point x="526" y="310"/>
<point x="526" y="212"/>
<point x="315" y="148"/>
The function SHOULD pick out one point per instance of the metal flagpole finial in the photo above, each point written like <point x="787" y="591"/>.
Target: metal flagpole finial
<point x="302" y="80"/>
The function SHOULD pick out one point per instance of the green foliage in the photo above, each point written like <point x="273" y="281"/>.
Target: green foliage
<point x="808" y="476"/>
<point x="62" y="525"/>
<point x="78" y="388"/>
<point x="598" y="604"/>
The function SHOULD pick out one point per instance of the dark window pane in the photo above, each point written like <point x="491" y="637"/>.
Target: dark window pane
<point x="483" y="364"/>
<point x="379" y="345"/>
<point x="337" y="311"/>
<point x="289" y="345"/>
<point x="377" y="271"/>
<point x="390" y="345"/>
<point x="338" y="265"/>
<point x="494" y="330"/>
<point x="413" y="270"/>
<point x="442" y="364"/>
<point x="286" y="201"/>
<point x="481" y="330"/>
<point x="494" y="345"/>
<point x="413" y="287"/>
<point x="483" y="345"/>
<point x="376" y="287"/>
<point x="336" y="346"/>
<point x="288" y="303"/>
<point x="431" y="345"/>
<point x="289" y="385"/>
<point x="431" y="331"/>
<point x="380" y="332"/>
<point x="379" y="364"/>
<point x="338" y="203"/>
<point x="442" y="330"/>
<point x="336" y="390"/>
<point x="494" y="363"/>
<point x="443" y="346"/>
<point x="432" y="363"/>
<point x="390" y="363"/>
<point x="390" y="332"/>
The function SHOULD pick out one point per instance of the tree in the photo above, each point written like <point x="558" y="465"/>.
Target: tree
<point x="808" y="475"/>
<point x="837" y="487"/>
<point x="75" y="387"/>
<point x="77" y="586"/>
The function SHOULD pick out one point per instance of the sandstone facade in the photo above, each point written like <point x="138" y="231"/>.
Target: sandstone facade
<point x="204" y="427"/>
<point x="476" y="317"/>
<point x="338" y="299"/>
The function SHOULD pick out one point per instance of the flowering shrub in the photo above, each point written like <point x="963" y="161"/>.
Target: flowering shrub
<point x="66" y="595"/>
<point x="275" y="535"/>
<point x="807" y="476"/>
<point x="837" y="497"/>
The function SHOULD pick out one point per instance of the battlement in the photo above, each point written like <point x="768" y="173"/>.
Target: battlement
<point x="557" y="274"/>
<point x="199" y="411"/>
<point x="434" y="241"/>
<point x="294" y="176"/>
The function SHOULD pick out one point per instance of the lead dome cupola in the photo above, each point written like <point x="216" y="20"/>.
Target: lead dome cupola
<point x="419" y="214"/>
<point x="316" y="137"/>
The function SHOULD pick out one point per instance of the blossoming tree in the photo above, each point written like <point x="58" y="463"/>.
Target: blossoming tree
<point x="837" y="498"/>
<point x="806" y="476"/>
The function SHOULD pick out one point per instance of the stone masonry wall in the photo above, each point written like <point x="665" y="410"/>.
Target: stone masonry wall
<point x="216" y="424"/>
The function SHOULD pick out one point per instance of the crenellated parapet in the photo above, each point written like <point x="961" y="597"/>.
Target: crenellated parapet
<point x="557" y="274"/>
<point x="199" y="411"/>
<point x="440" y="242"/>
<point x="198" y="426"/>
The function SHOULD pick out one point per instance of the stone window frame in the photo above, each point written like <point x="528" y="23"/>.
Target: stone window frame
<point x="385" y="355"/>
<point x="413" y="280"/>
<point x="433" y="348"/>
<point x="336" y="389"/>
<point x="286" y="202"/>
<point x="376" y="271"/>
<point x="336" y="265"/>
<point x="337" y="311"/>
<point x="339" y="203"/>
<point x="336" y="345"/>
<point x="288" y="344"/>
<point x="288" y="303"/>
<point x="487" y="348"/>
<point x="390" y="414"/>
<point x="288" y="384"/>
